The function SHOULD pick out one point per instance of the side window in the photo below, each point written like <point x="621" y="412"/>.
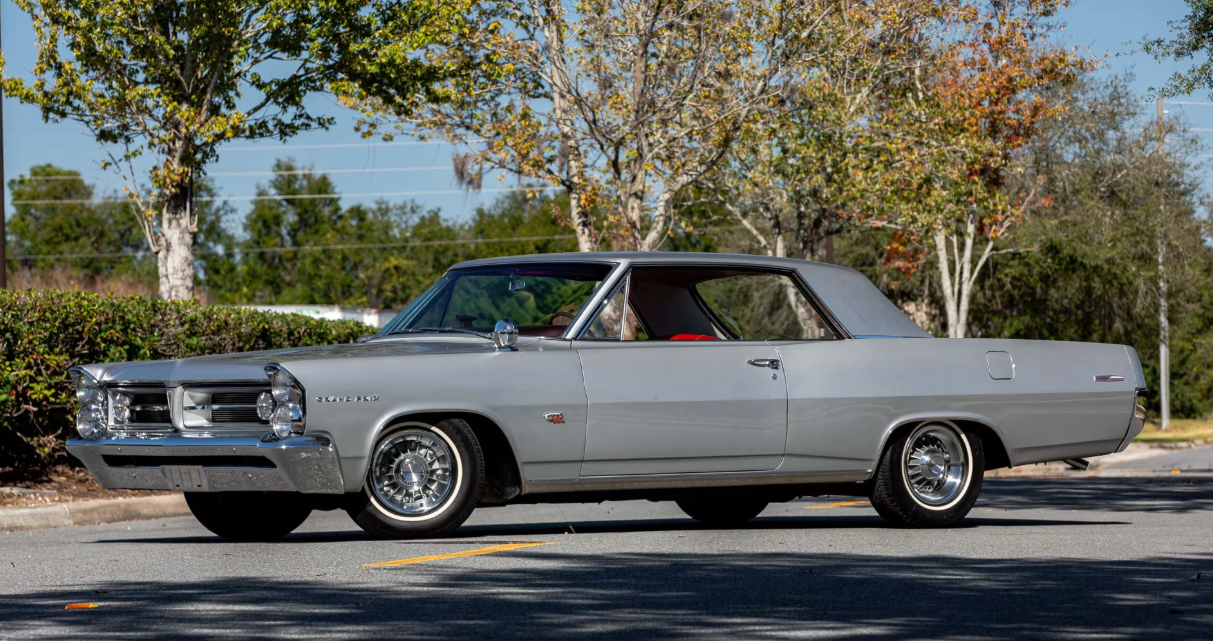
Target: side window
<point x="614" y="321"/>
<point x="762" y="306"/>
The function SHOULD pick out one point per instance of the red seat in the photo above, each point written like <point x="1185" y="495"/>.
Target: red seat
<point x="692" y="337"/>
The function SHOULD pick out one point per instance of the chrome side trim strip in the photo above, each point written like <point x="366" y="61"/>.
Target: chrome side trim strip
<point x="676" y="481"/>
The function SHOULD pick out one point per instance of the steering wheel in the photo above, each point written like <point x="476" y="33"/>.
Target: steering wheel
<point x="558" y="314"/>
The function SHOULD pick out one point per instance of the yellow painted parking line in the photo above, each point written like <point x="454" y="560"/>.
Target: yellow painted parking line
<point x="828" y="505"/>
<point x="454" y="555"/>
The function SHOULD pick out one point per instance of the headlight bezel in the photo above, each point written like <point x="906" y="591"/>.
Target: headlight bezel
<point x="91" y="395"/>
<point x="287" y="415"/>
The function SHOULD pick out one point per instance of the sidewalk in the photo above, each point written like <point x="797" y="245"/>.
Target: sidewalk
<point x="92" y="512"/>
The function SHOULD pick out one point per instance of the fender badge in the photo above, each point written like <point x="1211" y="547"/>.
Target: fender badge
<point x="554" y="417"/>
<point x="1108" y="378"/>
<point x="371" y="398"/>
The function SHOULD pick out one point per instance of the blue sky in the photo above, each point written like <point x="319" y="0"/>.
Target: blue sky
<point x="1100" y="25"/>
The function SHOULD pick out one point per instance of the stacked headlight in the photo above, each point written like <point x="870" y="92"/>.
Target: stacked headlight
<point x="121" y="404"/>
<point x="283" y="406"/>
<point x="90" y="421"/>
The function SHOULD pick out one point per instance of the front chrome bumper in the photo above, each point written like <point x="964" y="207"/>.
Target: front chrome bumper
<point x="307" y="464"/>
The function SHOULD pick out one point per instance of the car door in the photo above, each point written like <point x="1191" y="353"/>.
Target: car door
<point x="671" y="389"/>
<point x="682" y="407"/>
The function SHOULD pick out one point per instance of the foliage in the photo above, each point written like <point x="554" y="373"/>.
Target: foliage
<point x="621" y="103"/>
<point x="175" y="79"/>
<point x="1191" y="38"/>
<point x="962" y="119"/>
<point x="42" y="333"/>
<point x="59" y="230"/>
<point x="799" y="175"/>
<point x="301" y="250"/>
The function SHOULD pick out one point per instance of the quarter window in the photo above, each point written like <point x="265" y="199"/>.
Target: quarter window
<point x="762" y="306"/>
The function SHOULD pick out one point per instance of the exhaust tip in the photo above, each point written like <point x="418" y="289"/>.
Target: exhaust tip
<point x="1079" y="464"/>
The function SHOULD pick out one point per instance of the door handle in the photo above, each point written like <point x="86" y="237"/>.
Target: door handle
<point x="772" y="363"/>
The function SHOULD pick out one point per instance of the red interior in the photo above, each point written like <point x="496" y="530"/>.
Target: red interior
<point x="692" y="337"/>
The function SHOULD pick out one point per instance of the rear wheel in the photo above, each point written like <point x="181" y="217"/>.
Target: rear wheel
<point x="248" y="516"/>
<point x="722" y="511"/>
<point x="423" y="481"/>
<point x="929" y="477"/>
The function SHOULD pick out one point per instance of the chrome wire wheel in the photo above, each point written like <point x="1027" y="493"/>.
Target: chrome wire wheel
<point x="413" y="472"/>
<point x="936" y="466"/>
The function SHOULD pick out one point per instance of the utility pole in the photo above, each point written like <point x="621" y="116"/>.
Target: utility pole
<point x="1164" y="326"/>
<point x="3" y="209"/>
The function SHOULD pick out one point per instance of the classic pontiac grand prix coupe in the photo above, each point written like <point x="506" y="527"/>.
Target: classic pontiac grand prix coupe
<point x="723" y="383"/>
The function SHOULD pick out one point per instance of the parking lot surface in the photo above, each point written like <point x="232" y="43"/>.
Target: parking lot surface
<point x="1126" y="558"/>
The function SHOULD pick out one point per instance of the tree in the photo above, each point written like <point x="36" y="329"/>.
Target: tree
<point x="53" y="216"/>
<point x="1191" y="37"/>
<point x="1118" y="206"/>
<point x="175" y="79"/>
<point x="965" y="114"/>
<point x="68" y="237"/>
<point x="301" y="246"/>
<point x="795" y="178"/>
<point x="623" y="104"/>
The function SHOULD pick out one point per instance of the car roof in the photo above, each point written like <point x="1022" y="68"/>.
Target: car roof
<point x="661" y="258"/>
<point x="861" y="308"/>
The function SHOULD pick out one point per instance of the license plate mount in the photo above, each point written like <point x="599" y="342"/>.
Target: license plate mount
<point x="185" y="478"/>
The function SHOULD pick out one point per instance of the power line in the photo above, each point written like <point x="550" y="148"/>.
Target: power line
<point x="293" y="172"/>
<point x="373" y="194"/>
<point x="272" y="250"/>
<point x="344" y="145"/>
<point x="1187" y="102"/>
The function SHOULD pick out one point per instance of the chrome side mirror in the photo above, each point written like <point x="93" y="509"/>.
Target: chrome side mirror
<point x="505" y="334"/>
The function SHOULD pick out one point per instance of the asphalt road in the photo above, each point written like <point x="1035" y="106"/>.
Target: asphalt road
<point x="1060" y="558"/>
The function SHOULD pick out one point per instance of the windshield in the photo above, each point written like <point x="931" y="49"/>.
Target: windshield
<point x="541" y="300"/>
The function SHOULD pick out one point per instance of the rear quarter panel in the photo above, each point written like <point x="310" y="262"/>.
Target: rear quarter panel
<point x="846" y="397"/>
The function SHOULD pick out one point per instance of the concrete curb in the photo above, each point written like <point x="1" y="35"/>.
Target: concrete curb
<point x="92" y="512"/>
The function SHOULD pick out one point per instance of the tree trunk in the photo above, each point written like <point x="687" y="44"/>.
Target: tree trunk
<point x="951" y="304"/>
<point x="580" y="207"/>
<point x="175" y="258"/>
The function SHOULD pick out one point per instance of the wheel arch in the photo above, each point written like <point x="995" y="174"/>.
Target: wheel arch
<point x="993" y="444"/>
<point x="503" y="473"/>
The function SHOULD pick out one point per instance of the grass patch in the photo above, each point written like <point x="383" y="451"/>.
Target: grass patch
<point x="1181" y="429"/>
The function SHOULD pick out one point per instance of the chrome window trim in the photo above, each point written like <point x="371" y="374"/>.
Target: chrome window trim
<point x="624" y="270"/>
<point x="588" y="311"/>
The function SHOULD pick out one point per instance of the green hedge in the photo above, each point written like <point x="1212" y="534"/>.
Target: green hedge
<point x="42" y="333"/>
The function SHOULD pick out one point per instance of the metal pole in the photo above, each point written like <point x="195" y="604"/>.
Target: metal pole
<point x="1164" y="325"/>
<point x="3" y="209"/>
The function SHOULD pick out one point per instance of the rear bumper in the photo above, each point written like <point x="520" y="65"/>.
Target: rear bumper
<point x="308" y="464"/>
<point x="1137" y="423"/>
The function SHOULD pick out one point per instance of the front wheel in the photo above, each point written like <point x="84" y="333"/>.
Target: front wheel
<point x="248" y="516"/>
<point x="929" y="477"/>
<point x="422" y="481"/>
<point x="723" y="511"/>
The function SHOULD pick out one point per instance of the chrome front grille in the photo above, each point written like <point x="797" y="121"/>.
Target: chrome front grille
<point x="233" y="407"/>
<point x="149" y="406"/>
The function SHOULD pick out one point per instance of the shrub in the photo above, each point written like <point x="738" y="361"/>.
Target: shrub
<point x="43" y="333"/>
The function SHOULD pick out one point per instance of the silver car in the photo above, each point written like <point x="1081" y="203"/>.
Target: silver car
<point x="723" y="383"/>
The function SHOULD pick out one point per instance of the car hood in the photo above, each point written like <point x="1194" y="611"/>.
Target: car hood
<point x="250" y="366"/>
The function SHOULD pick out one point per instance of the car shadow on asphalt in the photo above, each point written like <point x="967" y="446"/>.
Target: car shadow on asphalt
<point x="1100" y="494"/>
<point x="546" y="592"/>
<point x="1070" y="495"/>
<point x="621" y="526"/>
